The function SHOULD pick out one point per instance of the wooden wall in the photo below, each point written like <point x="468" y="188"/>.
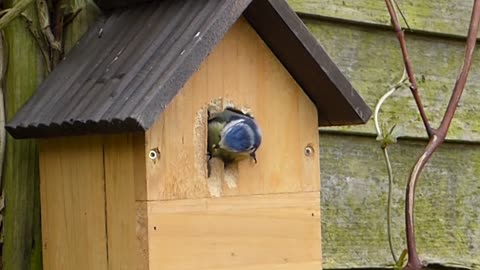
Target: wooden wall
<point x="357" y="35"/>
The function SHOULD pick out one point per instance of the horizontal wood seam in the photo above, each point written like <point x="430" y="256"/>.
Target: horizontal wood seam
<point x="380" y="26"/>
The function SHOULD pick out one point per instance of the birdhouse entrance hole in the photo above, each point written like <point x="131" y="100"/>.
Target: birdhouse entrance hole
<point x="218" y="174"/>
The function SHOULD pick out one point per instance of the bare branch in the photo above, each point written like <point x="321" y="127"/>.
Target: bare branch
<point x="436" y="136"/>
<point x="408" y="66"/>
<point x="462" y="78"/>
<point x="413" y="259"/>
<point x="401" y="13"/>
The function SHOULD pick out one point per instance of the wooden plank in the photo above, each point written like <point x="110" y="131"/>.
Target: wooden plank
<point x="22" y="232"/>
<point x="372" y="69"/>
<point x="125" y="252"/>
<point x="289" y="266"/>
<point x="242" y="232"/>
<point x="23" y="244"/>
<point x="442" y="16"/>
<point x="73" y="203"/>
<point x="354" y="194"/>
<point x="143" y="256"/>
<point x="244" y="72"/>
<point x="86" y="17"/>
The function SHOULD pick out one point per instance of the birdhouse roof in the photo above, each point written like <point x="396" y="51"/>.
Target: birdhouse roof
<point x="127" y="68"/>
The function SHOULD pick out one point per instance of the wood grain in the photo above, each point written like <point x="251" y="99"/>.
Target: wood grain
<point x="278" y="231"/>
<point x="90" y="218"/>
<point x="241" y="71"/>
<point x="21" y="248"/>
<point x="354" y="199"/>
<point x="372" y="69"/>
<point x="73" y="204"/>
<point x="124" y="252"/>
<point x="439" y="17"/>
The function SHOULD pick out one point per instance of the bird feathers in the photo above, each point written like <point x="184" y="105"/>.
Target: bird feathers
<point x="232" y="135"/>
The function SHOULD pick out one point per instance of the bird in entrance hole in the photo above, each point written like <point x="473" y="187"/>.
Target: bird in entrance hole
<point x="233" y="136"/>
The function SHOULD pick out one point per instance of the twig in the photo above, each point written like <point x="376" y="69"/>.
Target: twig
<point x="439" y="136"/>
<point x="436" y="136"/>
<point x="13" y="12"/>
<point x="45" y="27"/>
<point x="42" y="46"/>
<point x="401" y="14"/>
<point x="408" y="66"/>
<point x="58" y="32"/>
<point x="467" y="63"/>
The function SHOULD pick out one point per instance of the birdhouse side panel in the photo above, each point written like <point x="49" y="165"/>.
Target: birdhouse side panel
<point x="241" y="72"/>
<point x="72" y="192"/>
<point x="90" y="216"/>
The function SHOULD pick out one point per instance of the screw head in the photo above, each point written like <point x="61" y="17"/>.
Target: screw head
<point x="308" y="151"/>
<point x="154" y="154"/>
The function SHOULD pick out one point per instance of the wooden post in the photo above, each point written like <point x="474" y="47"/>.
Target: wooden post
<point x="22" y="247"/>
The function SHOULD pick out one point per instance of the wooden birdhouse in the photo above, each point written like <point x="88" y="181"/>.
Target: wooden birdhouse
<point x="122" y="128"/>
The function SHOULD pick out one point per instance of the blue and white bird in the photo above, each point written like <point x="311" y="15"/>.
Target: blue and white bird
<point x="233" y="136"/>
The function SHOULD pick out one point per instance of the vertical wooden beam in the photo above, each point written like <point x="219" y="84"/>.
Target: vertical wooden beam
<point x="73" y="188"/>
<point x="22" y="247"/>
<point x="126" y="251"/>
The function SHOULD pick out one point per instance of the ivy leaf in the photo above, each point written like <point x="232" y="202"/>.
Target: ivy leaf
<point x="389" y="136"/>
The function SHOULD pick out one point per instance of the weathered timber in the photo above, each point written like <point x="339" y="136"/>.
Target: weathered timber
<point x="443" y="17"/>
<point x="354" y="193"/>
<point x="371" y="59"/>
<point x="22" y="247"/>
<point x="83" y="14"/>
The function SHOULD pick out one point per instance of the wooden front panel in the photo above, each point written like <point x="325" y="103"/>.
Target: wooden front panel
<point x="271" y="220"/>
<point x="242" y="232"/>
<point x="90" y="219"/>
<point x="243" y="71"/>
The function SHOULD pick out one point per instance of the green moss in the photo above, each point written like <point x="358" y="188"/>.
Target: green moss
<point x="371" y="60"/>
<point x="22" y="246"/>
<point x="433" y="16"/>
<point x="354" y="188"/>
<point x="87" y="15"/>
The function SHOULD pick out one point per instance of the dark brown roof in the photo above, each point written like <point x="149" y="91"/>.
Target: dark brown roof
<point x="130" y="65"/>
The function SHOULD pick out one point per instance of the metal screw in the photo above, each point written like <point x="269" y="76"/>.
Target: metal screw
<point x="308" y="150"/>
<point x="154" y="154"/>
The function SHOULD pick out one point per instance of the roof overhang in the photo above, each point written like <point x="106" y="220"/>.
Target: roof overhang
<point x="128" y="67"/>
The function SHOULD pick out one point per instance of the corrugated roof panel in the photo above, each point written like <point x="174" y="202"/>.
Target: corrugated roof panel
<point x="129" y="66"/>
<point x="126" y="70"/>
